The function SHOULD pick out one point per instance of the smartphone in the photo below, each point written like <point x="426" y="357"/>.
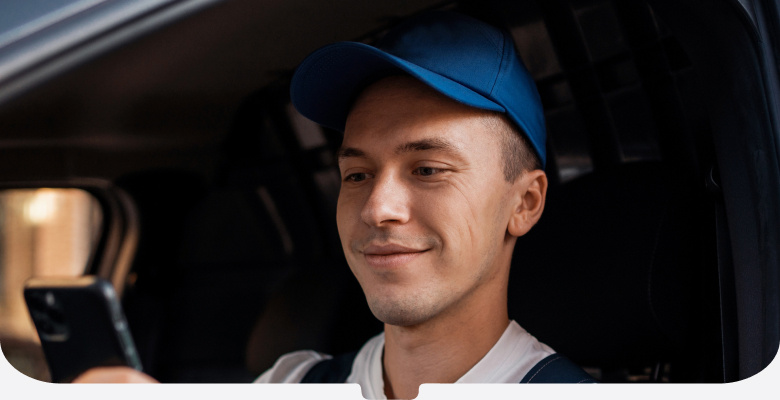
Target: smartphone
<point x="81" y="325"/>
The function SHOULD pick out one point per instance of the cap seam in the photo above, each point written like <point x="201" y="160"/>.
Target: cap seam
<point x="499" y="48"/>
<point x="501" y="66"/>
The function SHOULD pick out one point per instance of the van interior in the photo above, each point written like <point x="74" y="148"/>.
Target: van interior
<point x="655" y="260"/>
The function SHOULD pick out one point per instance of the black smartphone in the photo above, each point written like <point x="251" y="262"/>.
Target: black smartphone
<point x="81" y="325"/>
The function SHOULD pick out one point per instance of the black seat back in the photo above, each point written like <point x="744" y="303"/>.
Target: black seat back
<point x="611" y="275"/>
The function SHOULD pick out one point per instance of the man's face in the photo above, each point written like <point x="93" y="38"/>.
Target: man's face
<point x="424" y="206"/>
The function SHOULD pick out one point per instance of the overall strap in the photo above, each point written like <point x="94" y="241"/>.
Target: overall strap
<point x="332" y="370"/>
<point x="556" y="368"/>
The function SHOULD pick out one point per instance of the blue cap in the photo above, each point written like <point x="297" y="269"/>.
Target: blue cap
<point x="465" y="59"/>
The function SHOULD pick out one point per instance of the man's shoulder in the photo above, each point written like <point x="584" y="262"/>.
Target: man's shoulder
<point x="333" y="370"/>
<point x="292" y="367"/>
<point x="315" y="367"/>
<point x="556" y="368"/>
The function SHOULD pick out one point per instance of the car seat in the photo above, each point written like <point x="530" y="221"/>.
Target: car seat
<point x="613" y="276"/>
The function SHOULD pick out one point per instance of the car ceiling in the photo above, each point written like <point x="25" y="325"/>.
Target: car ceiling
<point x="174" y="88"/>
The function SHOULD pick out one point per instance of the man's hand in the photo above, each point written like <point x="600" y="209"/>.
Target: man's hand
<point x="114" y="375"/>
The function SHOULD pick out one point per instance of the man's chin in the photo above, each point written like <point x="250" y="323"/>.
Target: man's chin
<point x="399" y="313"/>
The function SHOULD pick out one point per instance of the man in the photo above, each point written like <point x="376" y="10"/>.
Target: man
<point x="441" y="173"/>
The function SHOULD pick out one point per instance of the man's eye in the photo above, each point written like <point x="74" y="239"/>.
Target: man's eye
<point x="426" y="171"/>
<point x="356" y="177"/>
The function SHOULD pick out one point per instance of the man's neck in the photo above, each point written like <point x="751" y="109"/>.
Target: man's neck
<point x="438" y="351"/>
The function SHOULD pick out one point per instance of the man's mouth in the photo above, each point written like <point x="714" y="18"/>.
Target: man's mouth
<point x="390" y="255"/>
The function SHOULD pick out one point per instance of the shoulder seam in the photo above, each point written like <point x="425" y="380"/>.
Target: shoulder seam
<point x="557" y="357"/>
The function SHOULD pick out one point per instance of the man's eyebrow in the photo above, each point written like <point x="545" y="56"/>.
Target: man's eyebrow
<point x="347" y="152"/>
<point x="418" y="145"/>
<point x="426" y="144"/>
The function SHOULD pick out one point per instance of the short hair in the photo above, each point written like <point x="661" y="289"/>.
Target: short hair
<point x="517" y="153"/>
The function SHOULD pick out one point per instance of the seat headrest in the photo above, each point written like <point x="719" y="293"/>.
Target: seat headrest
<point x="608" y="276"/>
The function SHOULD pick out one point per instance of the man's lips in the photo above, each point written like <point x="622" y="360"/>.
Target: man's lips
<point x="387" y="249"/>
<point x="390" y="255"/>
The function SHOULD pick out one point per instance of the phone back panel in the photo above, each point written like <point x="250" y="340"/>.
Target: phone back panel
<point x="81" y="325"/>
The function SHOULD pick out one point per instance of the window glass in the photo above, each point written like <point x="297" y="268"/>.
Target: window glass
<point x="43" y="232"/>
<point x="29" y="16"/>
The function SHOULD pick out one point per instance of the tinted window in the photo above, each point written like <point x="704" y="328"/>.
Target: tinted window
<point x="43" y="232"/>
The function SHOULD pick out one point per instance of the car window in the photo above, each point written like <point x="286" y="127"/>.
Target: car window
<point x="43" y="232"/>
<point x="30" y="16"/>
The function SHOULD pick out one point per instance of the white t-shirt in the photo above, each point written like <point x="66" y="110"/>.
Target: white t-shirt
<point x="510" y="359"/>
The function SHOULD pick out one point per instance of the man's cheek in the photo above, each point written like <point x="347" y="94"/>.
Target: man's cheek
<point x="346" y="216"/>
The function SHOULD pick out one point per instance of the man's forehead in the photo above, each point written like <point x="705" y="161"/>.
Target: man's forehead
<point x="398" y="88"/>
<point x="407" y="103"/>
<point x="401" y="115"/>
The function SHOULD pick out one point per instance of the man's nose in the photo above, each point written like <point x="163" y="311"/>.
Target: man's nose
<point x="387" y="202"/>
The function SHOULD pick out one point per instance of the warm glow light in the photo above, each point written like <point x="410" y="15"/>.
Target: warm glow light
<point x="41" y="207"/>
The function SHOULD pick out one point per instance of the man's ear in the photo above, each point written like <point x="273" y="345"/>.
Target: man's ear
<point x="529" y="204"/>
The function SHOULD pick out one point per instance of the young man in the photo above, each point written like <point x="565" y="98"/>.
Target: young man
<point x="441" y="166"/>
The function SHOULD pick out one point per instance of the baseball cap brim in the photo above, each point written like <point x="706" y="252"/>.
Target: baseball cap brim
<point x="326" y="83"/>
